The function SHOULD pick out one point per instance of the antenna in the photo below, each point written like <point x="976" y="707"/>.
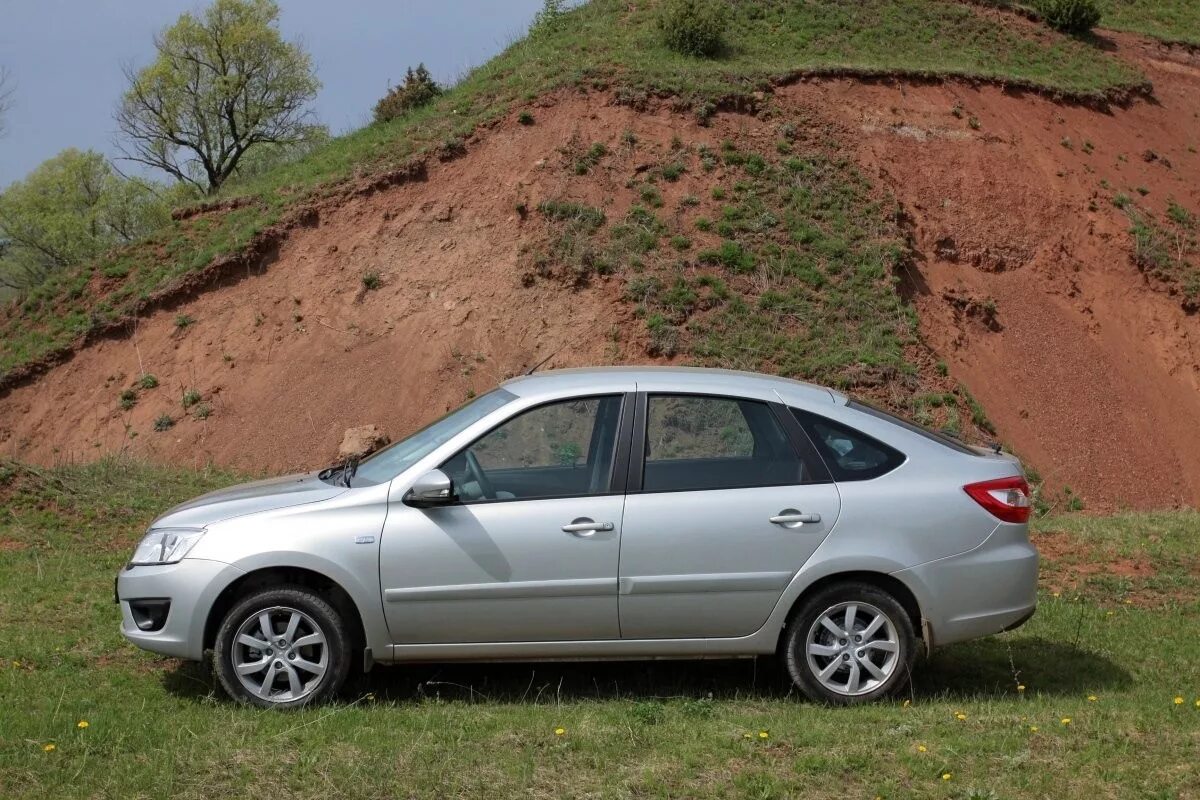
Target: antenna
<point x="538" y="365"/>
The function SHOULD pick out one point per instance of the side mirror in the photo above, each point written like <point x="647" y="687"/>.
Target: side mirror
<point x="434" y="488"/>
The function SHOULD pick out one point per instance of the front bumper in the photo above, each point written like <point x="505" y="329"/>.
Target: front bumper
<point x="990" y="589"/>
<point x="191" y="587"/>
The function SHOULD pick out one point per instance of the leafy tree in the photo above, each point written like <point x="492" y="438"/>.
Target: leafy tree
<point x="72" y="208"/>
<point x="223" y="83"/>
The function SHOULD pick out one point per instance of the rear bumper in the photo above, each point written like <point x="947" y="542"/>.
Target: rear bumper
<point x="990" y="589"/>
<point x="191" y="587"/>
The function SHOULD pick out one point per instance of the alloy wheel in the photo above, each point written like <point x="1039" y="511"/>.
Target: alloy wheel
<point x="279" y="654"/>
<point x="852" y="648"/>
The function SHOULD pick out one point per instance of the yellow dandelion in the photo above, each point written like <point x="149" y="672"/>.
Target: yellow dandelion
<point x="48" y="748"/>
<point x="1092" y="698"/>
<point x="83" y="723"/>
<point x="960" y="716"/>
<point x="946" y="776"/>
<point x="1020" y="687"/>
<point x="906" y="704"/>
<point x="559" y="731"/>
<point x="1108" y="613"/>
<point x="1056" y="594"/>
<point x="1033" y="728"/>
<point x="1178" y="701"/>
<point x="1198" y="702"/>
<point x="1127" y="601"/>
<point x="922" y="748"/>
<point x="747" y="735"/>
<point x="1066" y="720"/>
<point x="763" y="735"/>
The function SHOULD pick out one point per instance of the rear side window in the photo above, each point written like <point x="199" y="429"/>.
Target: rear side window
<point x="696" y="442"/>
<point x="851" y="455"/>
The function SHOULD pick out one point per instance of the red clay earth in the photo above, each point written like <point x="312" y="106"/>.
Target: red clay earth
<point x="1087" y="369"/>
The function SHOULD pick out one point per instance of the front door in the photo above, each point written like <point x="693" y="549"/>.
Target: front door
<point x="529" y="552"/>
<point x="727" y="513"/>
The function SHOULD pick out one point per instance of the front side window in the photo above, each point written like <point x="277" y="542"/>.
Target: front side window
<point x="560" y="449"/>
<point x="696" y="442"/>
<point x="851" y="455"/>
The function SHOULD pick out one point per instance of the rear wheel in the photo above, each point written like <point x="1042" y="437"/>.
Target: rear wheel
<point x="282" y="648"/>
<point x="850" y="643"/>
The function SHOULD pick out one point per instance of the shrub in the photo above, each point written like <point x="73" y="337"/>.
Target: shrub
<point x="202" y="411"/>
<point x="525" y="118"/>
<point x="693" y="27"/>
<point x="128" y="399"/>
<point x="371" y="281"/>
<point x="190" y="398"/>
<point x="148" y="381"/>
<point x="586" y="217"/>
<point x="1069" y="16"/>
<point x="549" y="19"/>
<point x="184" y="320"/>
<point x="164" y="422"/>
<point x="419" y="89"/>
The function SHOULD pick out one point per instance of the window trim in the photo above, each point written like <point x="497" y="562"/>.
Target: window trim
<point x="801" y="448"/>
<point x="616" y="472"/>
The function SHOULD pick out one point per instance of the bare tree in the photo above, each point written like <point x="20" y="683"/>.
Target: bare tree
<point x="223" y="82"/>
<point x="6" y="93"/>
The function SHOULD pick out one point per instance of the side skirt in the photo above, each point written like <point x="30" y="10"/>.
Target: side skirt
<point x="615" y="649"/>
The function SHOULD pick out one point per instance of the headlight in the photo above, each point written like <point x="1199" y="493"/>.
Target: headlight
<point x="166" y="546"/>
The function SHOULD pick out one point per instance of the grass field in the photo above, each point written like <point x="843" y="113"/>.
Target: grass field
<point x="603" y="45"/>
<point x="1110" y="706"/>
<point x="1169" y="20"/>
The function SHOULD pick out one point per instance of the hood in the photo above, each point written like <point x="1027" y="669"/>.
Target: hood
<point x="248" y="498"/>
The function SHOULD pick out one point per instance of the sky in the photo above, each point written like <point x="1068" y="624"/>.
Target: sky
<point x="65" y="57"/>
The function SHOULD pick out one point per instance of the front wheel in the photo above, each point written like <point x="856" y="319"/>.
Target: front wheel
<point x="282" y="648"/>
<point x="850" y="643"/>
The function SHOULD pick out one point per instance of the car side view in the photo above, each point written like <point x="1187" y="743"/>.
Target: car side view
<point x="601" y="513"/>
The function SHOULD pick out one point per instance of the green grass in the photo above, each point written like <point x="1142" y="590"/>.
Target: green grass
<point x="603" y="45"/>
<point x="159" y="728"/>
<point x="1169" y="20"/>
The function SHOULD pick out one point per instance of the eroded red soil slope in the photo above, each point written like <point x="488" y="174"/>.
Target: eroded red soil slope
<point x="1023" y="280"/>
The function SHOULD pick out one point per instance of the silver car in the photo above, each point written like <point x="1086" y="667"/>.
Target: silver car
<point x="601" y="513"/>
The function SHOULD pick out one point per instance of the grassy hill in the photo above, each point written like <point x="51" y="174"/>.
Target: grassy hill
<point x="607" y="45"/>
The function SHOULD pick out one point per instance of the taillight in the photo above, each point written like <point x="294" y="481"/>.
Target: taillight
<point x="1005" y="498"/>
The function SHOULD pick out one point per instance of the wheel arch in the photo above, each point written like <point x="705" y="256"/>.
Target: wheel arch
<point x="880" y="580"/>
<point x="275" y="576"/>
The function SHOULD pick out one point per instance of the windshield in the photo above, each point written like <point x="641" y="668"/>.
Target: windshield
<point x="391" y="461"/>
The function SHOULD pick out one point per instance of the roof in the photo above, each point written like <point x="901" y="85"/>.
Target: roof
<point x="662" y="379"/>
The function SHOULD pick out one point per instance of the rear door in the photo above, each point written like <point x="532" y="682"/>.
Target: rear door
<point x="727" y="500"/>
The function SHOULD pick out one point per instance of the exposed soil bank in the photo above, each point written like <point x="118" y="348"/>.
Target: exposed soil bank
<point x="1024" y="284"/>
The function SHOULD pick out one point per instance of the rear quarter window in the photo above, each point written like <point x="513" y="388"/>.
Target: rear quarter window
<point x="850" y="454"/>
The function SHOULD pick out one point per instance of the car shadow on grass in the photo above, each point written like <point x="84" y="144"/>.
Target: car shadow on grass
<point x="988" y="668"/>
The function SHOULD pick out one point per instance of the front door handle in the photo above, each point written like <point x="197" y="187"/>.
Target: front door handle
<point x="583" y="526"/>
<point x="790" y="516"/>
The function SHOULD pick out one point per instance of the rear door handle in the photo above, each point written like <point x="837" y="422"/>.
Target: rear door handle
<point x="790" y="517"/>
<point x="584" y="526"/>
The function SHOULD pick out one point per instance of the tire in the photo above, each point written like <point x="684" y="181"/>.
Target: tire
<point x="840" y="670"/>
<point x="306" y="668"/>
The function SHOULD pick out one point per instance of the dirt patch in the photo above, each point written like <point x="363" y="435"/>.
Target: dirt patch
<point x="283" y="361"/>
<point x="1024" y="280"/>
